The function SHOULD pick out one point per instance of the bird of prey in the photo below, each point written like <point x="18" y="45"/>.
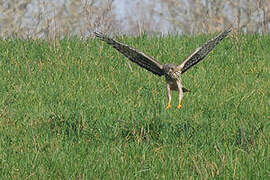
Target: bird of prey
<point x="171" y="72"/>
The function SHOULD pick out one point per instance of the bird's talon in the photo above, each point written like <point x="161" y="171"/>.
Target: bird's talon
<point x="168" y="107"/>
<point x="179" y="106"/>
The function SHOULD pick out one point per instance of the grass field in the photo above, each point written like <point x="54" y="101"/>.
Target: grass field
<point x="80" y="110"/>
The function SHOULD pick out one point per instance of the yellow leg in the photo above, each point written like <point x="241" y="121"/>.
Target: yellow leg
<point x="169" y="105"/>
<point x="169" y="96"/>
<point x="179" y="105"/>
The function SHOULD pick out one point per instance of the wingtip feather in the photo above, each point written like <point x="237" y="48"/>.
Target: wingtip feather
<point x="99" y="34"/>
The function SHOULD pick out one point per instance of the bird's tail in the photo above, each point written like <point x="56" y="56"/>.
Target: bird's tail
<point x="186" y="90"/>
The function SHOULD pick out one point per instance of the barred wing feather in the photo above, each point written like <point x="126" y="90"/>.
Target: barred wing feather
<point x="135" y="56"/>
<point x="202" y="51"/>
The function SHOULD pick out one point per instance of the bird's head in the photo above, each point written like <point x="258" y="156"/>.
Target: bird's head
<point x="169" y="68"/>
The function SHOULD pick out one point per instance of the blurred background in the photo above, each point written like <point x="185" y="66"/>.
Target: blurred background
<point x="65" y="18"/>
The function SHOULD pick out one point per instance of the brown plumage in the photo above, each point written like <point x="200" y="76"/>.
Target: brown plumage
<point x="171" y="72"/>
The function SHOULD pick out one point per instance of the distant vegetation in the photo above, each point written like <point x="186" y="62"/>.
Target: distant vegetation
<point x="51" y="18"/>
<point x="78" y="109"/>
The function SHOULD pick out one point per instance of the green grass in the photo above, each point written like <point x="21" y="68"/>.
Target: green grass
<point x="80" y="110"/>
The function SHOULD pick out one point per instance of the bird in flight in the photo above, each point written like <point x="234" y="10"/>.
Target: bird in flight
<point x="171" y="72"/>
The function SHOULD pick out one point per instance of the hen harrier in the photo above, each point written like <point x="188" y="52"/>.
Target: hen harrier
<point x="171" y="72"/>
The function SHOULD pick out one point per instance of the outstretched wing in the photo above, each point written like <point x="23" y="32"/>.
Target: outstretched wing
<point x="202" y="51"/>
<point x="135" y="56"/>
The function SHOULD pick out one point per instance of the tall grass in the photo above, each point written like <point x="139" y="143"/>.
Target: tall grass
<point x="80" y="110"/>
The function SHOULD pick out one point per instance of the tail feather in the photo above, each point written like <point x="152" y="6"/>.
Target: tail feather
<point x="186" y="90"/>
